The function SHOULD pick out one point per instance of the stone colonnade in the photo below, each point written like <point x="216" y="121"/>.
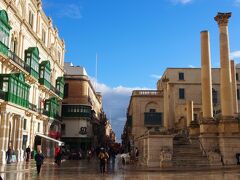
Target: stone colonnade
<point x="11" y="132"/>
<point x="220" y="139"/>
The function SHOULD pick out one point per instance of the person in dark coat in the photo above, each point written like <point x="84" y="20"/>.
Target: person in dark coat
<point x="39" y="160"/>
<point x="28" y="151"/>
<point x="9" y="154"/>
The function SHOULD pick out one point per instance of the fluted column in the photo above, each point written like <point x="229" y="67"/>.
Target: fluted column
<point x="206" y="76"/>
<point x="225" y="77"/>
<point x="234" y="87"/>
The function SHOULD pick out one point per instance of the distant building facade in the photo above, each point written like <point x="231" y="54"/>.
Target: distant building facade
<point x="31" y="77"/>
<point x="166" y="107"/>
<point x="84" y="122"/>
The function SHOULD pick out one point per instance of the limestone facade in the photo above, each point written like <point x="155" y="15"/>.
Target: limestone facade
<point x="82" y="111"/>
<point x="31" y="73"/>
<point x="178" y="97"/>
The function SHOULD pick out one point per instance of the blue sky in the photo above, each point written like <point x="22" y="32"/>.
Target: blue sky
<point x="136" y="40"/>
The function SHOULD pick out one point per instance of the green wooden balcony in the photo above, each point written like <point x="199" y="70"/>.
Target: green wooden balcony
<point x="153" y="119"/>
<point x="76" y="111"/>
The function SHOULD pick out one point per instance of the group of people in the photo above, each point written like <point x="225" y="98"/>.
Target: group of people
<point x="106" y="157"/>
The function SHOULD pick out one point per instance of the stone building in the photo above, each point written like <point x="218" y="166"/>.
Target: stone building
<point x="84" y="122"/>
<point x="31" y="76"/>
<point x="196" y="107"/>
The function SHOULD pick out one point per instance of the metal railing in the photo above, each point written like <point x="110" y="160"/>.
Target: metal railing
<point x="33" y="107"/>
<point x="54" y="89"/>
<point x="43" y="111"/>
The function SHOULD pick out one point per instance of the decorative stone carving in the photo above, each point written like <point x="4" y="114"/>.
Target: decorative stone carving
<point x="222" y="18"/>
<point x="165" y="157"/>
<point x="214" y="156"/>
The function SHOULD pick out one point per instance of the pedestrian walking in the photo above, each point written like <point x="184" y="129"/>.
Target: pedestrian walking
<point x="9" y="154"/>
<point x="28" y="151"/>
<point x="103" y="157"/>
<point x="39" y="160"/>
<point x="58" y="156"/>
<point x="89" y="155"/>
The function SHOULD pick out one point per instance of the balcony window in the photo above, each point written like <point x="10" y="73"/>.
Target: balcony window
<point x="44" y="73"/>
<point x="43" y="36"/>
<point x="76" y="111"/>
<point x="15" y="88"/>
<point x="4" y="32"/>
<point x="181" y="76"/>
<point x="66" y="87"/>
<point x="32" y="61"/>
<point x="152" y="119"/>
<point x="60" y="86"/>
<point x="25" y="124"/>
<point x="31" y="18"/>
<point x="52" y="106"/>
<point x="181" y="93"/>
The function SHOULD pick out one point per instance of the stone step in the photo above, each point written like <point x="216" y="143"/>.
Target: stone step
<point x="188" y="153"/>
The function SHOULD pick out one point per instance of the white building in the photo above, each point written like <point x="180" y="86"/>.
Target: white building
<point x="31" y="76"/>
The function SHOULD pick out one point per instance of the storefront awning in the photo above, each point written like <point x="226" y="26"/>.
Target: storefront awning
<point x="60" y="143"/>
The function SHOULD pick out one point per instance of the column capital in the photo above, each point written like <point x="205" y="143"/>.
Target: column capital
<point x="222" y="18"/>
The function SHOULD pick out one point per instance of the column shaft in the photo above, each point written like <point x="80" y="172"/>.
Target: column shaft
<point x="234" y="87"/>
<point x="206" y="76"/>
<point x="225" y="77"/>
<point x="189" y="112"/>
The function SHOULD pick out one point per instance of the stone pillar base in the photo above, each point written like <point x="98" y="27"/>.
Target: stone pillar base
<point x="229" y="146"/>
<point x="228" y="125"/>
<point x="166" y="164"/>
<point x="208" y="126"/>
<point x="3" y="157"/>
<point x="194" y="130"/>
<point x="210" y="147"/>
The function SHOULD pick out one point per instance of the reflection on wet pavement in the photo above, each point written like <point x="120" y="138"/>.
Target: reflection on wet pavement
<point x="72" y="170"/>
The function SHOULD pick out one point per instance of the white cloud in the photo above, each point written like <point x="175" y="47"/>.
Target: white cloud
<point x="63" y="10"/>
<point x="115" y="104"/>
<point x="155" y="76"/>
<point x="181" y="1"/>
<point x="191" y="66"/>
<point x="235" y="54"/>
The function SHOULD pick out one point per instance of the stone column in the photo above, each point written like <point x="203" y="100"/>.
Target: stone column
<point x="189" y="112"/>
<point x="166" y="105"/>
<point x="225" y="77"/>
<point x="208" y="127"/>
<point x="234" y="87"/>
<point x="206" y="76"/>
<point x="229" y="137"/>
<point x="2" y="137"/>
<point x="7" y="132"/>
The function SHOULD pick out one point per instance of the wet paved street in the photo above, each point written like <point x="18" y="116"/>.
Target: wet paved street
<point x="72" y="170"/>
